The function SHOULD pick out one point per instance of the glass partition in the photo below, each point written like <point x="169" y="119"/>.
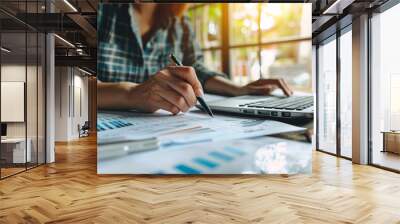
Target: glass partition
<point x="22" y="77"/>
<point x="14" y="151"/>
<point x="32" y="98"/>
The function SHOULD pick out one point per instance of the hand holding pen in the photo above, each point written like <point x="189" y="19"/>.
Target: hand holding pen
<point x="199" y="97"/>
<point x="174" y="89"/>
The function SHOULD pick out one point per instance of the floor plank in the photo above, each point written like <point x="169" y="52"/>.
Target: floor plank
<point x="70" y="191"/>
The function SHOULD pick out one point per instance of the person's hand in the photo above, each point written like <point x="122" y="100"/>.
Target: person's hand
<point x="265" y="87"/>
<point x="173" y="89"/>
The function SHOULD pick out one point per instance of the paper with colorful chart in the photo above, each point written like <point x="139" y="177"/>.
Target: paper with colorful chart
<point x="194" y="143"/>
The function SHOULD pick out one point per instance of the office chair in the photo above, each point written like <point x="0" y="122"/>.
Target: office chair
<point x="84" y="130"/>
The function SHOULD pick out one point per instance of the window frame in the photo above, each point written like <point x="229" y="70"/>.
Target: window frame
<point x="333" y="36"/>
<point x="225" y="45"/>
<point x="341" y="26"/>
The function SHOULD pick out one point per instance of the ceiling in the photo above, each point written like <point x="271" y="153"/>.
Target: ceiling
<point x="327" y="13"/>
<point x="72" y="20"/>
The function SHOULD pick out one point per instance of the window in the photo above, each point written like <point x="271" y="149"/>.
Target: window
<point x="270" y="40"/>
<point x="346" y="93"/>
<point x="327" y="96"/>
<point x="334" y="93"/>
<point x="385" y="85"/>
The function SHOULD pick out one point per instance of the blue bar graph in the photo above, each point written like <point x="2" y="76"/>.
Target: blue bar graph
<point x="221" y="156"/>
<point x="104" y="124"/>
<point x="236" y="151"/>
<point x="205" y="162"/>
<point x="187" y="169"/>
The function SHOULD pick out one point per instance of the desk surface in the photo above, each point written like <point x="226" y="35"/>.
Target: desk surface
<point x="391" y="132"/>
<point x="269" y="155"/>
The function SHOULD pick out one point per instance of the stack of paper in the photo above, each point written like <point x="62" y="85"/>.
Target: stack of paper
<point x="186" y="128"/>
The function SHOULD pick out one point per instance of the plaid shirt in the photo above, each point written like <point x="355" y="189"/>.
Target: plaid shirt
<point x="123" y="57"/>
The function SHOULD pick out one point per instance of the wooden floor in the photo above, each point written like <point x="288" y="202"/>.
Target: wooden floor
<point x="5" y="172"/>
<point x="69" y="191"/>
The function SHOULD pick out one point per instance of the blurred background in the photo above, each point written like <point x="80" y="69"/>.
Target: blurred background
<point x="249" y="41"/>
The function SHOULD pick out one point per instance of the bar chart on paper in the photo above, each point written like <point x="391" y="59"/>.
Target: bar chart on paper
<point x="267" y="155"/>
<point x="111" y="123"/>
<point x="194" y="143"/>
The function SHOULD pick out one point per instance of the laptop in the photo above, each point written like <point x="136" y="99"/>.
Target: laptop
<point x="267" y="106"/>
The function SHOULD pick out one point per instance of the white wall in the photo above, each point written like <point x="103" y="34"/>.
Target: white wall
<point x="80" y="110"/>
<point x="71" y="94"/>
<point x="16" y="72"/>
<point x="9" y="73"/>
<point x="61" y="104"/>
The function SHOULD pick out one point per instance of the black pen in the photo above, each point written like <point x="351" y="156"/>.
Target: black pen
<point x="199" y="98"/>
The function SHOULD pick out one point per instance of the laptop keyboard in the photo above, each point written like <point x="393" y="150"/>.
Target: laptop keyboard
<point x="289" y="103"/>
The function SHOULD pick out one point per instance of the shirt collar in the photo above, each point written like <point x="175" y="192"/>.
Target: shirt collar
<point x="134" y="26"/>
<point x="164" y="24"/>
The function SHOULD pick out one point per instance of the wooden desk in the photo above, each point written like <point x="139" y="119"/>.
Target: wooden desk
<point x="391" y="141"/>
